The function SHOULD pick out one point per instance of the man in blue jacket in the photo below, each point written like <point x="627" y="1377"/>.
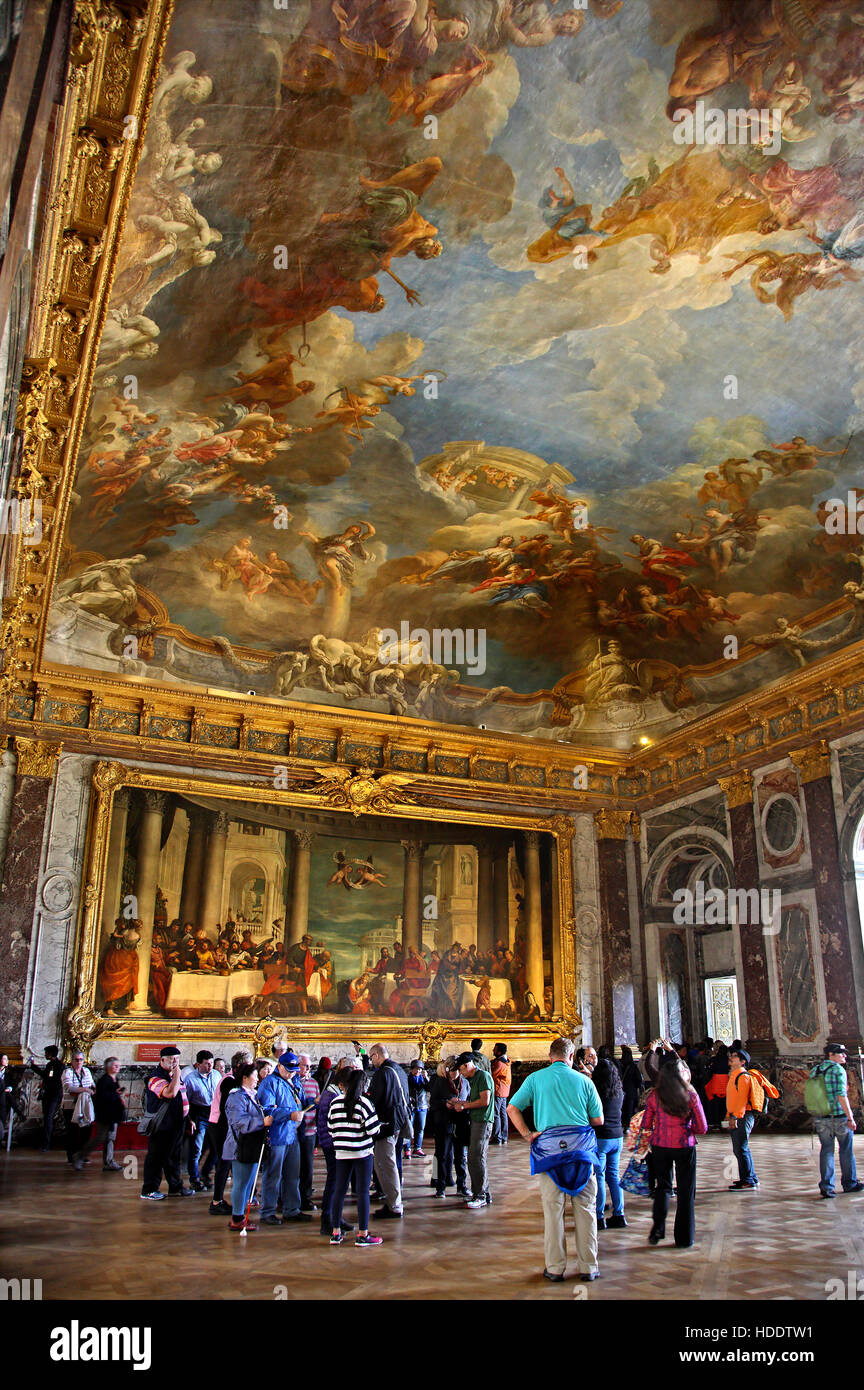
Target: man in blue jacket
<point x="280" y="1096"/>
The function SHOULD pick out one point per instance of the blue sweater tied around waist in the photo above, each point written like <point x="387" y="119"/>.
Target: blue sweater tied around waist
<point x="567" y="1154"/>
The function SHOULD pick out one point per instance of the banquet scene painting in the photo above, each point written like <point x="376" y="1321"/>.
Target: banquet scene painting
<point x="257" y="914"/>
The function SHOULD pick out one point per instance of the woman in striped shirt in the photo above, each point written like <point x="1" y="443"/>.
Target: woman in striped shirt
<point x="352" y="1123"/>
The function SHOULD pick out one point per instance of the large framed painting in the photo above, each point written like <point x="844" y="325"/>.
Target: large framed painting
<point x="341" y="900"/>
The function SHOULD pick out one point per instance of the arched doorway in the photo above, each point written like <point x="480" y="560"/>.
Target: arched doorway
<point x="691" y="959"/>
<point x="249" y="896"/>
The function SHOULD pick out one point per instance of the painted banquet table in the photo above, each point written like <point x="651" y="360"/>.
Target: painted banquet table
<point x="212" y="994"/>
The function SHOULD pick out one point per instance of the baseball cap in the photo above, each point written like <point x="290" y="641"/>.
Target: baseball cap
<point x="288" y="1060"/>
<point x="169" y="1051"/>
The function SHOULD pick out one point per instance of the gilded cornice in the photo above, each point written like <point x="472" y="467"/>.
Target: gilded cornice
<point x="36" y="759"/>
<point x="812" y="762"/>
<point x="737" y="788"/>
<point x="114" y="52"/>
<point x="611" y="825"/>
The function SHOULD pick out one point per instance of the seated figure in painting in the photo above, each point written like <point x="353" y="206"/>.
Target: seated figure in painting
<point x="118" y="973"/>
<point x="359" y="993"/>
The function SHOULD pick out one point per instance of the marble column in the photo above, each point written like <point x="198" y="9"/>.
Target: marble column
<point x="7" y="792"/>
<point x="533" y="917"/>
<point x="112" y="905"/>
<point x="412" y="896"/>
<point x="146" y="881"/>
<point x="193" y="867"/>
<point x="501" y="894"/>
<point x="814" y="770"/>
<point x="213" y="874"/>
<point x="298" y="916"/>
<point x="36" y="768"/>
<point x="611" y="829"/>
<point x="485" y="899"/>
<point x="738" y="790"/>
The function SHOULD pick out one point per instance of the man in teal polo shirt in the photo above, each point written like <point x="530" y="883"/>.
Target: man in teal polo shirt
<point x="558" y="1095"/>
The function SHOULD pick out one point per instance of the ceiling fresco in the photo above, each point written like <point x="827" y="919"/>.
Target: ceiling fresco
<point x="473" y="362"/>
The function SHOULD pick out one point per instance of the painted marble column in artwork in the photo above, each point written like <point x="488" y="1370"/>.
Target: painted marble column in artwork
<point x="146" y="882"/>
<point x="738" y="790"/>
<point x="501" y="893"/>
<point x="412" y="896"/>
<point x="814" y="770"/>
<point x="533" y="917"/>
<point x="612" y="829"/>
<point x="193" y="866"/>
<point x="37" y="763"/>
<point x="298" y="917"/>
<point x="112" y="905"/>
<point x="485" y="899"/>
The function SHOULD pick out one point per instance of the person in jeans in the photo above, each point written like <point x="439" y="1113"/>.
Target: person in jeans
<point x="52" y="1090"/>
<point x="839" y="1125"/>
<point x="480" y="1106"/>
<point x="217" y="1130"/>
<point x="353" y="1125"/>
<point x="201" y="1082"/>
<point x="610" y="1137"/>
<point x="243" y="1115"/>
<point x="388" y="1093"/>
<point x="110" y="1112"/>
<point x="77" y="1083"/>
<point x="419" y="1087"/>
<point x="501" y="1077"/>
<point x="559" y="1096"/>
<point x="281" y="1097"/>
<point x="306" y="1133"/>
<point x="325" y="1143"/>
<point x="674" y="1116"/>
<point x="741" y="1117"/>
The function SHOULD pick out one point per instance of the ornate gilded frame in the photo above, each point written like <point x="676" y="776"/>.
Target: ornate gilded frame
<point x="364" y="792"/>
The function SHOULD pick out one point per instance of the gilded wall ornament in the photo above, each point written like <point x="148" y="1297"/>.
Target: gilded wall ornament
<point x="364" y="791"/>
<point x="35" y="758"/>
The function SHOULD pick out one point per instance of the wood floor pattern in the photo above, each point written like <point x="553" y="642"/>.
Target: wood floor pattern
<point x="86" y="1235"/>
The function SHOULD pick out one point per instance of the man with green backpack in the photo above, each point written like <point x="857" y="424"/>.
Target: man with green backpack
<point x="825" y="1096"/>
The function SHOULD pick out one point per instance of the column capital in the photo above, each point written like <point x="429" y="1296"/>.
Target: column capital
<point x="121" y="799"/>
<point x="221" y="822"/>
<point x="812" y="762"/>
<point x="304" y="839"/>
<point x="156" y="801"/>
<point x="737" y="788"/>
<point x="36" y="758"/>
<point x="611" y="825"/>
<point x="414" y="849"/>
<point x="532" y="839"/>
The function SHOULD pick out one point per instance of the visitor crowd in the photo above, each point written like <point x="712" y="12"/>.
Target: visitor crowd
<point x="367" y="1115"/>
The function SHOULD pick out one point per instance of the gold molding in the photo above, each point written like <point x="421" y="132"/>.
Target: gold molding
<point x="35" y="758"/>
<point x="738" y="788"/>
<point x="812" y="762"/>
<point x="611" y="825"/>
<point x="85" y="1024"/>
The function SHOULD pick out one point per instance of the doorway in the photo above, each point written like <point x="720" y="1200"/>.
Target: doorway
<point x="721" y="1008"/>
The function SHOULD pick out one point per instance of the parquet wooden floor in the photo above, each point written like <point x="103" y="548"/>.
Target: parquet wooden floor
<point x="86" y="1235"/>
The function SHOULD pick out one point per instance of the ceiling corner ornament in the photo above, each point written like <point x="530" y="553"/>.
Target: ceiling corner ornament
<point x="738" y="788"/>
<point x="611" y="825"/>
<point x="812" y="762"/>
<point x="430" y="1035"/>
<point x="108" y="776"/>
<point x="563" y="827"/>
<point x="363" y="791"/>
<point x="36" y="758"/>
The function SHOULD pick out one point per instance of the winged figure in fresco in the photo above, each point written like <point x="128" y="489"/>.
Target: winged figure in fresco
<point x="465" y="565"/>
<point x="271" y="385"/>
<point x="367" y="873"/>
<point x="342" y="872"/>
<point x="563" y="515"/>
